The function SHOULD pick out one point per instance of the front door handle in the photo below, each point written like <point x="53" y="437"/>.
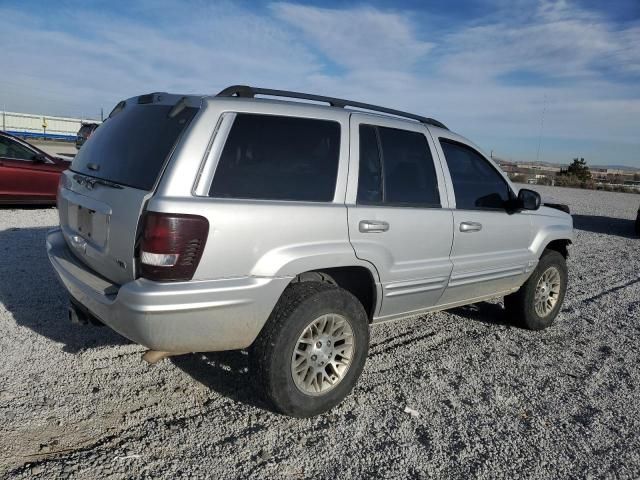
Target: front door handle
<point x="470" y="227"/>
<point x="367" y="226"/>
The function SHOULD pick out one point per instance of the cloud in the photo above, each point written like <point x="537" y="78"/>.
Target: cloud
<point x="560" y="40"/>
<point x="489" y="78"/>
<point x="82" y="60"/>
<point x="360" y="38"/>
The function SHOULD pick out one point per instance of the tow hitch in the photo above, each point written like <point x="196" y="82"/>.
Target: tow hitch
<point x="80" y="316"/>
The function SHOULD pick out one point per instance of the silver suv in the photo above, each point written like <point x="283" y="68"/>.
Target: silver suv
<point x="191" y="223"/>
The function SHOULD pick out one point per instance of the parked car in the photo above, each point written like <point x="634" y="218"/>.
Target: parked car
<point x="287" y="228"/>
<point x="27" y="174"/>
<point x="86" y="130"/>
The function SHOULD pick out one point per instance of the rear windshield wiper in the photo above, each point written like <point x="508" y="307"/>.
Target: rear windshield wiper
<point x="90" y="182"/>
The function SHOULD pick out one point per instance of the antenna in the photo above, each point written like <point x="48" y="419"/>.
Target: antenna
<point x="544" y="108"/>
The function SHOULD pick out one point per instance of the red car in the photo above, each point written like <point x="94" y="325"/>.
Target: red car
<point x="27" y="174"/>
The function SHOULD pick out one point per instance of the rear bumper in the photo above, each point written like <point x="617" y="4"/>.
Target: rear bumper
<point x="196" y="316"/>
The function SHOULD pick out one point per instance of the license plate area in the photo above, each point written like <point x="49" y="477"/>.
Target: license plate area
<point x="89" y="224"/>
<point x="85" y="222"/>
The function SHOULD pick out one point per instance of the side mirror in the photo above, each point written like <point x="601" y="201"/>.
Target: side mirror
<point x="39" y="158"/>
<point x="528" y="199"/>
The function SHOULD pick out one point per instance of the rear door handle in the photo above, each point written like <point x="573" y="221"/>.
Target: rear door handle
<point x="367" y="226"/>
<point x="470" y="227"/>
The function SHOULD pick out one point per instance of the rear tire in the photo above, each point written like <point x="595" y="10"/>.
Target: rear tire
<point x="537" y="303"/>
<point x="311" y="351"/>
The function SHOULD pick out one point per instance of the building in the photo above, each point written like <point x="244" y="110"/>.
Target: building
<point x="42" y="126"/>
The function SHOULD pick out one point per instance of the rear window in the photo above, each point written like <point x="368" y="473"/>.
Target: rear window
<point x="271" y="157"/>
<point x="131" y="147"/>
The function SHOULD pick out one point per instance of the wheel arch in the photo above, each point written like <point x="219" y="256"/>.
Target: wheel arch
<point x="560" y="245"/>
<point x="555" y="237"/>
<point x="359" y="280"/>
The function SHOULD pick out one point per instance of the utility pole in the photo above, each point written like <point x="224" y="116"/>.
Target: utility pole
<point x="544" y="108"/>
<point x="101" y="114"/>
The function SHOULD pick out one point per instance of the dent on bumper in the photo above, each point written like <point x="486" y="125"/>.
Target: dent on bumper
<point x="173" y="317"/>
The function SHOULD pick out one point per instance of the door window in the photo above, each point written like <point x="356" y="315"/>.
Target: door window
<point x="396" y="168"/>
<point x="272" y="157"/>
<point x="13" y="150"/>
<point x="477" y="185"/>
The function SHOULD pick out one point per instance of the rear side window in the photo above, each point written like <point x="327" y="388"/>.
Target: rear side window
<point x="131" y="147"/>
<point x="396" y="168"/>
<point x="476" y="183"/>
<point x="271" y="157"/>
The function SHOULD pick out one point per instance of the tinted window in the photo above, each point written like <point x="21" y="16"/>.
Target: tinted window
<point x="475" y="182"/>
<point x="370" y="176"/>
<point x="279" y="158"/>
<point x="131" y="147"/>
<point x="405" y="158"/>
<point x="11" y="149"/>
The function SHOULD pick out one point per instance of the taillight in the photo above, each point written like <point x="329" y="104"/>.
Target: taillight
<point x="172" y="245"/>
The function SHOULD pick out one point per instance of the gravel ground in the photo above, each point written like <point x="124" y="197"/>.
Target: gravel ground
<point x="494" y="401"/>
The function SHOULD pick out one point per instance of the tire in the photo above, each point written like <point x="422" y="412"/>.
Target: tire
<point x="521" y="305"/>
<point x="272" y="357"/>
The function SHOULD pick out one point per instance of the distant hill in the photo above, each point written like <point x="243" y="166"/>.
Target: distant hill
<point x="618" y="167"/>
<point x="626" y="168"/>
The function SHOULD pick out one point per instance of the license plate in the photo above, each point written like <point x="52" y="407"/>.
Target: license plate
<point x="85" y="222"/>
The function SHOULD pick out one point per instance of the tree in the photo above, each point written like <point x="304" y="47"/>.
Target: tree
<point x="578" y="169"/>
<point x="518" y="178"/>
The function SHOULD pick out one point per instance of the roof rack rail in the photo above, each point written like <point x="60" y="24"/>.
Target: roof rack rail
<point x="245" y="91"/>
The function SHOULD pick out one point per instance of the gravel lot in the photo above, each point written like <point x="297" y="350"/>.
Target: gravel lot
<point x="495" y="401"/>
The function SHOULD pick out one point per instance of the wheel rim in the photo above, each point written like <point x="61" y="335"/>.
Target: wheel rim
<point x="323" y="354"/>
<point x="547" y="291"/>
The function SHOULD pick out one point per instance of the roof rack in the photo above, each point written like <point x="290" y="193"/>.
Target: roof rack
<point x="245" y="91"/>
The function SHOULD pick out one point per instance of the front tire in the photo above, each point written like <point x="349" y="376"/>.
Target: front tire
<point x="312" y="349"/>
<point x="537" y="303"/>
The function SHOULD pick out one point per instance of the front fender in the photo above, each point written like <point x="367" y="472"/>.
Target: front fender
<point x="549" y="232"/>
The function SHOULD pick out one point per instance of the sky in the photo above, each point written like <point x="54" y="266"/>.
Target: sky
<point x="526" y="80"/>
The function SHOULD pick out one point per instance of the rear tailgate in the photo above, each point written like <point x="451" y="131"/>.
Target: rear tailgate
<point x="99" y="224"/>
<point x="103" y="194"/>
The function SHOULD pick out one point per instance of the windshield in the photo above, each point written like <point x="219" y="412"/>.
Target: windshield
<point x="131" y="147"/>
